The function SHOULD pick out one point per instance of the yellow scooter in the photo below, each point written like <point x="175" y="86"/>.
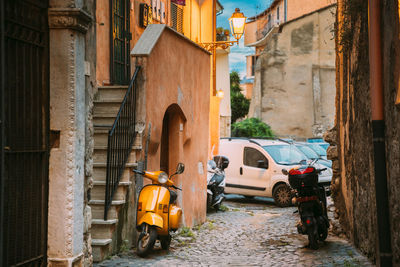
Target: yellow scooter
<point x="156" y="212"/>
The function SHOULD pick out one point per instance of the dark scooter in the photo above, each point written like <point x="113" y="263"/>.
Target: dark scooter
<point x="311" y="203"/>
<point x="216" y="181"/>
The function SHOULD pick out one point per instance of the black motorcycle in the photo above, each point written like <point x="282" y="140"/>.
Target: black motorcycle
<point x="311" y="202"/>
<point x="216" y="181"/>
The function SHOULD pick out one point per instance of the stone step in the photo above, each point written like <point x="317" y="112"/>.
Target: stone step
<point x="100" y="172"/>
<point x="111" y="93"/>
<point x="103" y="120"/>
<point x="104" y="109"/>
<point x="103" y="231"/>
<point x="103" y="222"/>
<point x="100" y="155"/>
<point x="97" y="207"/>
<point x="121" y="183"/>
<point x="98" y="192"/>
<point x="101" y="248"/>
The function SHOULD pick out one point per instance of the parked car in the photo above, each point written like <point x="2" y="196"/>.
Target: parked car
<point x="311" y="154"/>
<point x="318" y="149"/>
<point x="255" y="167"/>
<point x="319" y="141"/>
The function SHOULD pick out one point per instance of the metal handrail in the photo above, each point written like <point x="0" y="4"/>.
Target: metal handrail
<point x="120" y="141"/>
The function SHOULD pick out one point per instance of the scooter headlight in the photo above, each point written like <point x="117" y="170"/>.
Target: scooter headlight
<point x="162" y="178"/>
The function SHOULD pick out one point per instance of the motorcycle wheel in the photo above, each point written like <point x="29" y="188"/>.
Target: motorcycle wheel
<point x="217" y="206"/>
<point x="165" y="242"/>
<point x="209" y="202"/>
<point x="146" y="242"/>
<point x="282" y="195"/>
<point x="323" y="234"/>
<point x="312" y="239"/>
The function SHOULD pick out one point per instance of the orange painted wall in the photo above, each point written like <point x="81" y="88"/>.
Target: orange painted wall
<point x="171" y="78"/>
<point x="296" y="8"/>
<point x="214" y="125"/>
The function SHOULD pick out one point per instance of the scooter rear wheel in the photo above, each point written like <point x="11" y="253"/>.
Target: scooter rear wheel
<point x="313" y="240"/>
<point x="146" y="242"/>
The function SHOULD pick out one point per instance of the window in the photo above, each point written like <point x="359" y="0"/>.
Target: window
<point x="252" y="156"/>
<point x="277" y="13"/>
<point x="285" y="154"/>
<point x="253" y="65"/>
<point x="177" y="18"/>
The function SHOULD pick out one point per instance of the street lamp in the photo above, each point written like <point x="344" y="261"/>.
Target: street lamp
<point x="236" y="22"/>
<point x="220" y="93"/>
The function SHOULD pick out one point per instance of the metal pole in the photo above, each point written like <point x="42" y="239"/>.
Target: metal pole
<point x="2" y="86"/>
<point x="383" y="248"/>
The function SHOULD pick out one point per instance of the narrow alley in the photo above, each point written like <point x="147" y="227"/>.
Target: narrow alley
<point x="251" y="232"/>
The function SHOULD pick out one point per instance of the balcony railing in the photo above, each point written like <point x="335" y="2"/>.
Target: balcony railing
<point x="265" y="26"/>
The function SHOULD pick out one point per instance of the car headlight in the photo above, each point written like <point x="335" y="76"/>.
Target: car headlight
<point x="162" y="178"/>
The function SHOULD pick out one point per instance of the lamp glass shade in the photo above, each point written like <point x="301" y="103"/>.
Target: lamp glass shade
<point x="237" y="22"/>
<point x="220" y="93"/>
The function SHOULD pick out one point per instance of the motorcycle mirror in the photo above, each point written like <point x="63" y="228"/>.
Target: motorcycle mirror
<point x="285" y="172"/>
<point x="180" y="168"/>
<point x="303" y="162"/>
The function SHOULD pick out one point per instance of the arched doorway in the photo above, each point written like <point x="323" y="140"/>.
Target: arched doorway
<point x="171" y="138"/>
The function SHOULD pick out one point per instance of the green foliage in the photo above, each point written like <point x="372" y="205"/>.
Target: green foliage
<point x="235" y="82"/>
<point x="252" y="127"/>
<point x="239" y="106"/>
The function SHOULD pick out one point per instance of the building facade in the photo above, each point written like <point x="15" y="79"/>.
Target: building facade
<point x="71" y="67"/>
<point x="365" y="184"/>
<point x="295" y="68"/>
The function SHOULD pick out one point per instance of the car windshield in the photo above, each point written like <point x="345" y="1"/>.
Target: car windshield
<point x="285" y="154"/>
<point x="317" y="149"/>
<point x="311" y="154"/>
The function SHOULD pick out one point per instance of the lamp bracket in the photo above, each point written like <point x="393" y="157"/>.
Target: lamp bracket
<point x="210" y="47"/>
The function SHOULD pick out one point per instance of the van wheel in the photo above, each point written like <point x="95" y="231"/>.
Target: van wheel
<point x="282" y="195"/>
<point x="146" y="241"/>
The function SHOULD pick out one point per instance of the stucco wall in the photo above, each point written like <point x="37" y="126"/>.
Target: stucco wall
<point x="295" y="77"/>
<point x="352" y="150"/>
<point x="171" y="78"/>
<point x="296" y="8"/>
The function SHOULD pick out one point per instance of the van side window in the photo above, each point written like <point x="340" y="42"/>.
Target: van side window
<point x="251" y="156"/>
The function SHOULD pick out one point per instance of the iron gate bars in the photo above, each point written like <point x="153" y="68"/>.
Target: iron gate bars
<point x="120" y="41"/>
<point x="120" y="141"/>
<point x="25" y="125"/>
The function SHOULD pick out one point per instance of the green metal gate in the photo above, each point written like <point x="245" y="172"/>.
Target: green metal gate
<point x="24" y="115"/>
<point x="120" y="42"/>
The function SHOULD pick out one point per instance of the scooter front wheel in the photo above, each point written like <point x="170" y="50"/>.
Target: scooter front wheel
<point x="165" y="242"/>
<point x="146" y="240"/>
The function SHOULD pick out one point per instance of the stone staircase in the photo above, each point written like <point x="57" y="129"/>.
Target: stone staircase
<point x="106" y="105"/>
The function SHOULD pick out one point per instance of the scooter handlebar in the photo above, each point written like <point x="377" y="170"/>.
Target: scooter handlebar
<point x="173" y="186"/>
<point x="138" y="172"/>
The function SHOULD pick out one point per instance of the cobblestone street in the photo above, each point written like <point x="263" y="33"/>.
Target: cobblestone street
<point x="251" y="233"/>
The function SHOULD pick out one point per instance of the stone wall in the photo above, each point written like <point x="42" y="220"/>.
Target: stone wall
<point x="295" y="76"/>
<point x="351" y="138"/>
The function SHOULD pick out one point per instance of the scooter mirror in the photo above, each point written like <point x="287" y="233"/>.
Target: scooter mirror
<point x="180" y="168"/>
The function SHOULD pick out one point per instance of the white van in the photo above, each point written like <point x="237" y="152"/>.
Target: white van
<point x="255" y="167"/>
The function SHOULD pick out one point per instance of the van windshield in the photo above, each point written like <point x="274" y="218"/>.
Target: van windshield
<point x="285" y="154"/>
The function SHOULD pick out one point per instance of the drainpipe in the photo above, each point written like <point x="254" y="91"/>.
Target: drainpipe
<point x="285" y="7"/>
<point x="383" y="248"/>
<point x="214" y="37"/>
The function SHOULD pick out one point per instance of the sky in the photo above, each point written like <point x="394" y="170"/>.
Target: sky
<point x="237" y="56"/>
